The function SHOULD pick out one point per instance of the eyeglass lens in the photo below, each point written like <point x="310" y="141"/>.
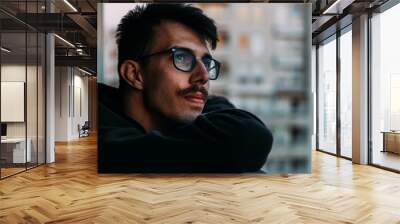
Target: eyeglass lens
<point x="184" y="60"/>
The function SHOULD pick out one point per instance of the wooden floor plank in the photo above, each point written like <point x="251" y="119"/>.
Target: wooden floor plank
<point x="71" y="191"/>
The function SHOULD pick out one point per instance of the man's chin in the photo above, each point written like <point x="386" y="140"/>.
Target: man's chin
<point x="189" y="117"/>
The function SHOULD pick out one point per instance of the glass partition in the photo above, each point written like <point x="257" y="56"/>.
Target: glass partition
<point x="327" y="96"/>
<point x="385" y="89"/>
<point x="22" y="77"/>
<point x="346" y="93"/>
<point x="14" y="152"/>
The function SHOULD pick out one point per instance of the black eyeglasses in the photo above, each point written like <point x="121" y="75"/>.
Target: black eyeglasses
<point x="184" y="60"/>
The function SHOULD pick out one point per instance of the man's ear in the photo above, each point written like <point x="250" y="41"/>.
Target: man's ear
<point x="131" y="72"/>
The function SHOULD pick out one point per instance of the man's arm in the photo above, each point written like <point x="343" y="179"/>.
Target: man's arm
<point x="215" y="103"/>
<point x="223" y="139"/>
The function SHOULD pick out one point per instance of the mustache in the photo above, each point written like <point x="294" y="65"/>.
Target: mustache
<point x="193" y="89"/>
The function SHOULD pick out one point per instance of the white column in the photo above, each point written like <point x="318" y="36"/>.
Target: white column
<point x="313" y="96"/>
<point x="360" y="90"/>
<point x="50" y="92"/>
<point x="50" y="98"/>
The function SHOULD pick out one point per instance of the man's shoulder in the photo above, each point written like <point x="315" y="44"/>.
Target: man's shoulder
<point x="107" y="94"/>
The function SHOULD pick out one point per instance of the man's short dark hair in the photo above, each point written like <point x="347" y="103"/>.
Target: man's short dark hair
<point x="135" y="31"/>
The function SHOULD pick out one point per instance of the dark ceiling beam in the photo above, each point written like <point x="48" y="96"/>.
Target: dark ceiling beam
<point x="79" y="20"/>
<point x="52" y="22"/>
<point x="63" y="7"/>
<point x="320" y="22"/>
<point x="91" y="5"/>
<point x="83" y="61"/>
<point x="86" y="27"/>
<point x="337" y="7"/>
<point x="16" y="18"/>
<point x="49" y="22"/>
<point x="65" y="51"/>
<point x="328" y="13"/>
<point x="334" y="16"/>
<point x="332" y="28"/>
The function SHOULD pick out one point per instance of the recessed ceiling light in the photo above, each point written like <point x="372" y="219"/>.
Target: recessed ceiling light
<point x="70" y="5"/>
<point x="328" y="10"/>
<point x="64" y="40"/>
<point x="84" y="71"/>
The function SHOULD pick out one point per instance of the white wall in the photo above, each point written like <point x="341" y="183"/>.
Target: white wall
<point x="61" y="103"/>
<point x="71" y="87"/>
<point x="14" y="73"/>
<point x="80" y="93"/>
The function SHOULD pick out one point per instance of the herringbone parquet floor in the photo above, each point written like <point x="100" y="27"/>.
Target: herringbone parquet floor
<point x="71" y="191"/>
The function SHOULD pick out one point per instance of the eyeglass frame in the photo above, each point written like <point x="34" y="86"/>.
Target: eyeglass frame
<point x="172" y="51"/>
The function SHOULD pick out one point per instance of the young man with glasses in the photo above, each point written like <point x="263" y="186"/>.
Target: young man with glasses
<point x="161" y="118"/>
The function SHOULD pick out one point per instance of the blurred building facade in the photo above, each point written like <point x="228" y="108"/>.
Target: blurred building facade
<point x="264" y="55"/>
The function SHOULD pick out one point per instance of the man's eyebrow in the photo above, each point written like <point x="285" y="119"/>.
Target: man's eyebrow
<point x="205" y="55"/>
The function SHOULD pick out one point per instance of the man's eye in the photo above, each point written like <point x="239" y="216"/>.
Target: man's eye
<point x="207" y="62"/>
<point x="185" y="58"/>
<point x="179" y="57"/>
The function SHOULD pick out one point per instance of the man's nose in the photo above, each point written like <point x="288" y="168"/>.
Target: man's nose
<point x="199" y="73"/>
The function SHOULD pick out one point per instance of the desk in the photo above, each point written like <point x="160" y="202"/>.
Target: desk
<point x="391" y="141"/>
<point x="16" y="147"/>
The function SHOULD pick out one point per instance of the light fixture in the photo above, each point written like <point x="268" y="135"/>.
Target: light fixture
<point x="80" y="51"/>
<point x="64" y="40"/>
<point x="5" y="50"/>
<point x="329" y="9"/>
<point x="84" y="71"/>
<point x="70" y="5"/>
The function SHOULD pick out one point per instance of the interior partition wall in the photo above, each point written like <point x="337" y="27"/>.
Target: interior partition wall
<point x="22" y="76"/>
<point x="334" y="94"/>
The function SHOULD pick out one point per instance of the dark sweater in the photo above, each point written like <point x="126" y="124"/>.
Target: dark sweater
<point x="221" y="139"/>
